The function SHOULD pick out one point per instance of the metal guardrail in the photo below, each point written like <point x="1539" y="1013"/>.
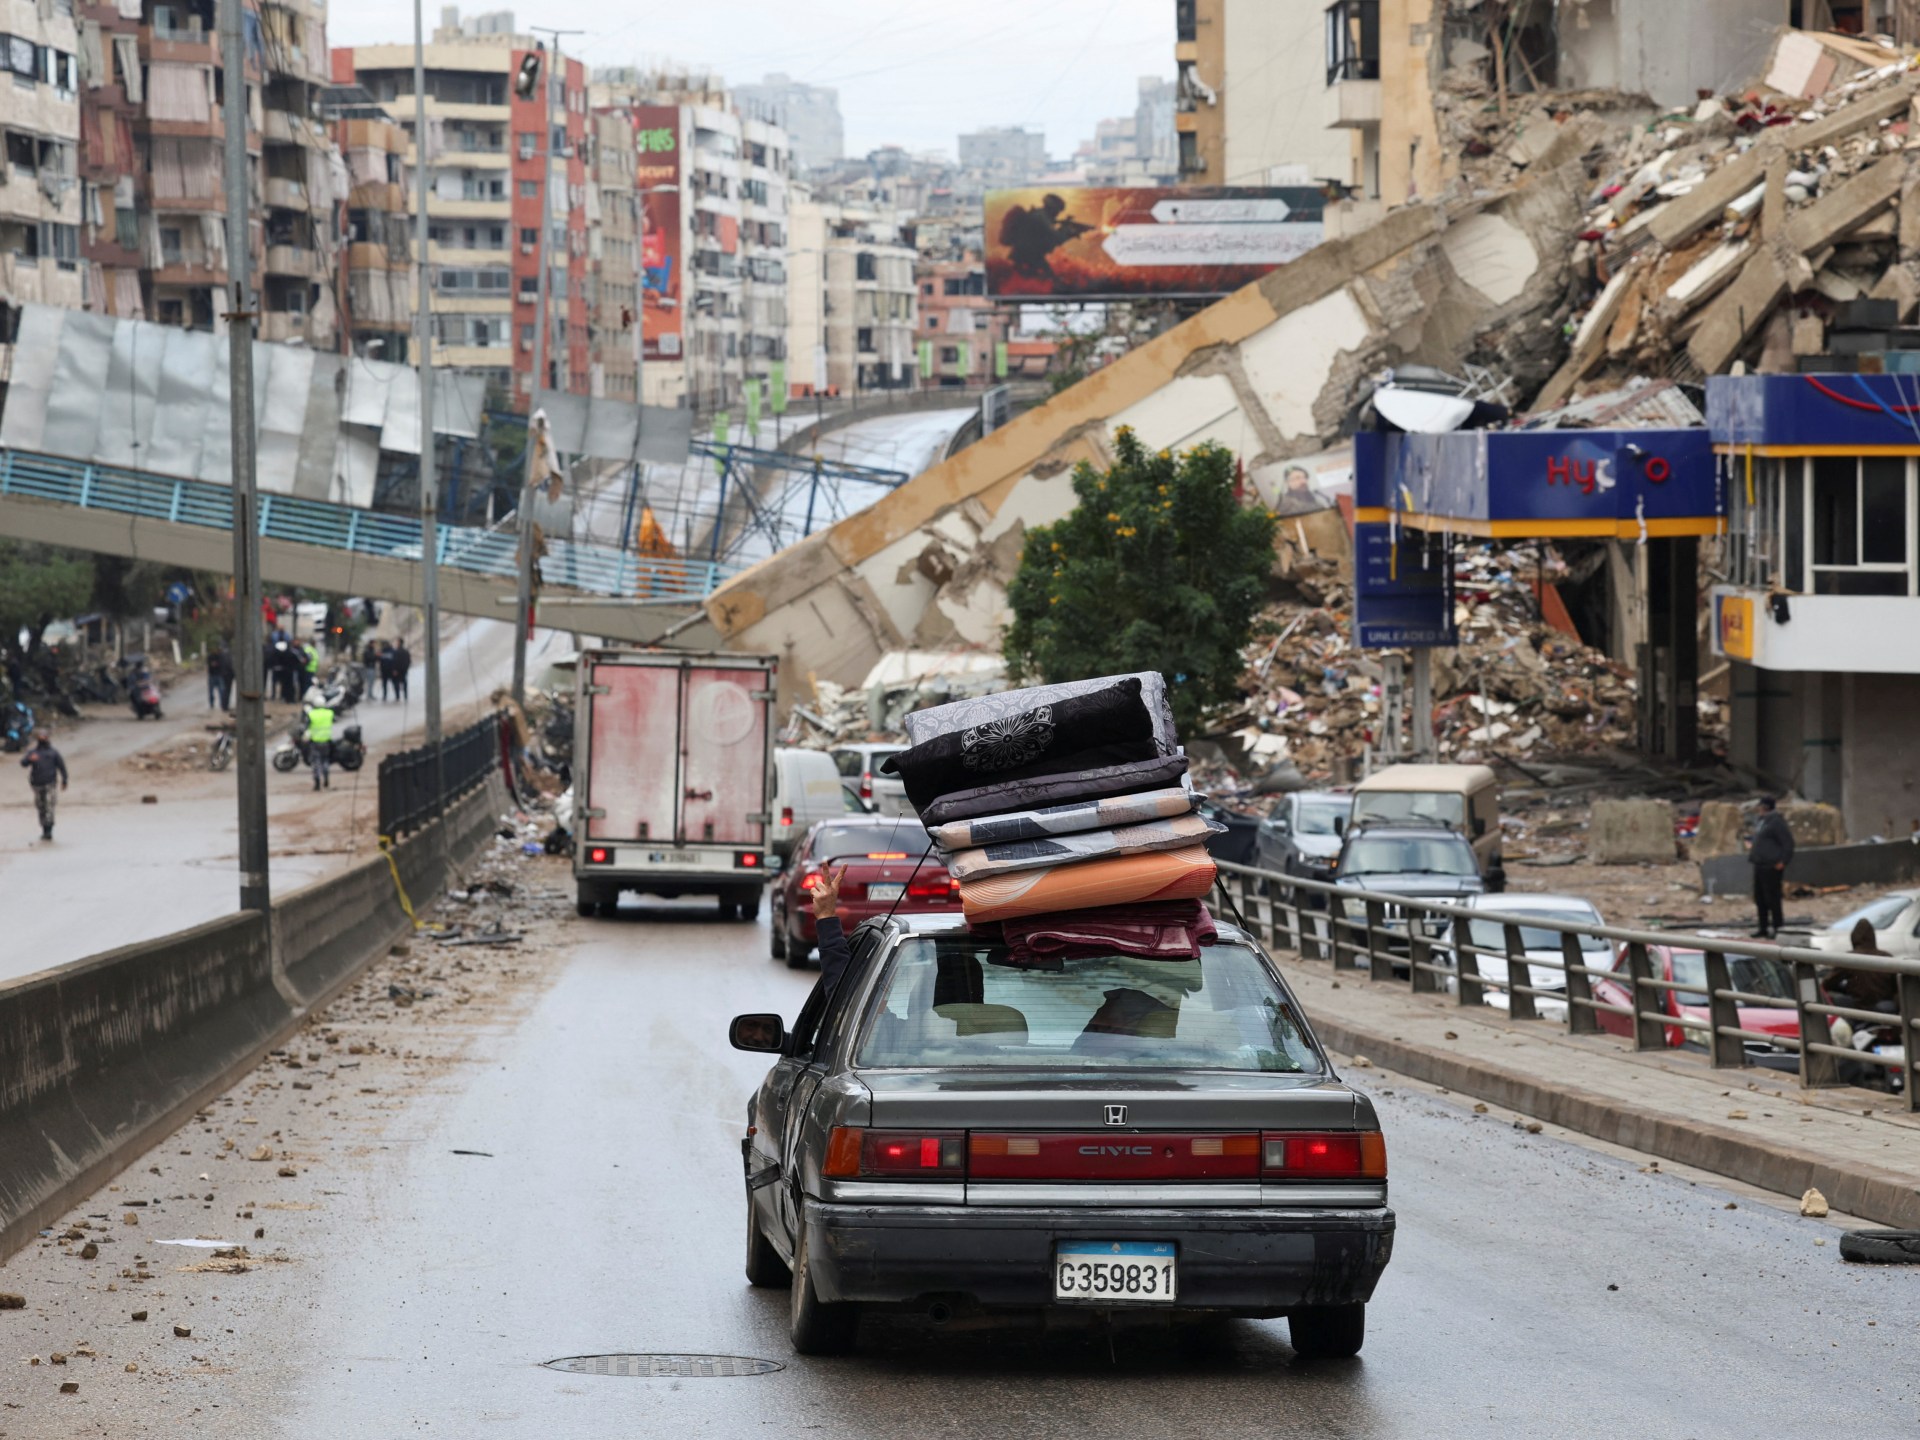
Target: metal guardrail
<point x="1356" y="929"/>
<point x="408" y="798"/>
<point x="596" y="569"/>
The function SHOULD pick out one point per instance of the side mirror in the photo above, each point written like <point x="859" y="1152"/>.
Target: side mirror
<point x="1340" y="825"/>
<point x="764" y="1033"/>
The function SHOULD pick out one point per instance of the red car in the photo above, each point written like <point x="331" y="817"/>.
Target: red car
<point x="889" y="869"/>
<point x="1754" y="974"/>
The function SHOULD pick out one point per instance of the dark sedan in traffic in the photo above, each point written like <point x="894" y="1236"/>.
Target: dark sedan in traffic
<point x="953" y="1133"/>
<point x="890" y="871"/>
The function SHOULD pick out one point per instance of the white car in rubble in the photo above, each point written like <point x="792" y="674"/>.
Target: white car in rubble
<point x="1538" y="943"/>
<point x="1895" y="918"/>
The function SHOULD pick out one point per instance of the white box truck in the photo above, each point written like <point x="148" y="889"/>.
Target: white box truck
<point x="672" y="777"/>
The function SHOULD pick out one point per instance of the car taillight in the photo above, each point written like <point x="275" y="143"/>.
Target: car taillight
<point x="747" y="859"/>
<point x="599" y="855"/>
<point x="786" y="815"/>
<point x="810" y="880"/>
<point x="1338" y="1155"/>
<point x="933" y="887"/>
<point x="894" y="1154"/>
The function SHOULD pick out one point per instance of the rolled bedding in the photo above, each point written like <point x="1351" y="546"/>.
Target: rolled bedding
<point x="1099" y="813"/>
<point x="1183" y="874"/>
<point x="1110" y="726"/>
<point x="1070" y="786"/>
<point x="1168" y="834"/>
<point x="936" y="720"/>
<point x="1157" y="930"/>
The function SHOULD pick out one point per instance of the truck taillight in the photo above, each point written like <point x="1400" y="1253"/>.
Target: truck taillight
<point x="786" y="815"/>
<point x="599" y="855"/>
<point x="1337" y="1155"/>
<point x="746" y="859"/>
<point x="894" y="1154"/>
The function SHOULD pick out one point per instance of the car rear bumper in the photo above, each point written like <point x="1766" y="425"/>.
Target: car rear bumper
<point x="1256" y="1262"/>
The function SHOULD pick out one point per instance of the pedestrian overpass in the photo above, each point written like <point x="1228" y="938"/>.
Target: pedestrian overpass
<point x="592" y="589"/>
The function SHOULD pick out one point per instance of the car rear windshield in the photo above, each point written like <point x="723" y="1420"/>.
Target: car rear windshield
<point x="1494" y="936"/>
<point x="1753" y="974"/>
<point x="883" y="837"/>
<point x="1317" y="819"/>
<point x="953" y="1000"/>
<point x="1417" y="855"/>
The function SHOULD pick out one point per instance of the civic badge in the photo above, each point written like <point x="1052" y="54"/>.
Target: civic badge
<point x="1116" y="1114"/>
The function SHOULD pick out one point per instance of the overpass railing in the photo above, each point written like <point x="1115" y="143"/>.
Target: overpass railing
<point x="597" y="569"/>
<point x="1605" y="977"/>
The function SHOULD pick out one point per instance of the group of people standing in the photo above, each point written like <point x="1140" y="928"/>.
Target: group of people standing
<point x="387" y="662"/>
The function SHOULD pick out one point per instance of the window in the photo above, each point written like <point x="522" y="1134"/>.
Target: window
<point x="1353" y="40"/>
<point x="1190" y="161"/>
<point x="1186" y="20"/>
<point x="952" y="1000"/>
<point x="949" y="354"/>
<point x="1858" y="526"/>
<point x="1422" y="807"/>
<point x="529" y="189"/>
<point x="866" y="266"/>
<point x="22" y="153"/>
<point x="1379" y="855"/>
<point x="530" y="288"/>
<point x="529" y="239"/>
<point x="527" y="143"/>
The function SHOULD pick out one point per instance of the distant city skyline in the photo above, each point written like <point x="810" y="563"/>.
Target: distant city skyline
<point x="918" y="77"/>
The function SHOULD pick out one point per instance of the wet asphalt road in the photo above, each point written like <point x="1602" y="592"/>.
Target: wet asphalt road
<point x="609" y="1219"/>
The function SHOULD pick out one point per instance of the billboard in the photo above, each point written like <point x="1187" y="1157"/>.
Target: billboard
<point x="1153" y="240"/>
<point x="656" y="143"/>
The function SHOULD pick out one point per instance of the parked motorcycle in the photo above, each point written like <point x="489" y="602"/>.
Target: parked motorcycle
<point x="16" y="725"/>
<point x="98" y="686"/>
<point x="295" y="752"/>
<point x="221" y="755"/>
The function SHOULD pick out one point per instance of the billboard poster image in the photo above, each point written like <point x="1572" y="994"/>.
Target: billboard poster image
<point x="657" y="154"/>
<point x="1088" y="244"/>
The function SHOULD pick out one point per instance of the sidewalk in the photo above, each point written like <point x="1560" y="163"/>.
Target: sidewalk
<point x="1859" y="1148"/>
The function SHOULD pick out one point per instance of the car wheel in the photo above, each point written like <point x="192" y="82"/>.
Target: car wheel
<point x="815" y="1327"/>
<point x="727" y="908"/>
<point x="778" y="944"/>
<point x="1327" y="1332"/>
<point x="1881" y="1247"/>
<point x="586" y="901"/>
<point x="749" y="904"/>
<point x="765" y="1268"/>
<point x="609" y="908"/>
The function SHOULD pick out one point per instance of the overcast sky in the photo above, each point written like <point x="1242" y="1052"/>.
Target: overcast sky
<point x="910" y="72"/>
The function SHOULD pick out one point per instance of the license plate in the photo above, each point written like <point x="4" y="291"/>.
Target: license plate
<point x="1132" y="1272"/>
<point x="885" y="892"/>
<point x="673" y="857"/>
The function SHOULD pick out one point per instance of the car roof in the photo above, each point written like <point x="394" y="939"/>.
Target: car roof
<point x="1522" y="904"/>
<point x="1444" y="778"/>
<point x="1323" y="797"/>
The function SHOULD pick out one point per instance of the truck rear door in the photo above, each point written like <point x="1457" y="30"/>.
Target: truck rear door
<point x="633" y="761"/>
<point x="723" y="756"/>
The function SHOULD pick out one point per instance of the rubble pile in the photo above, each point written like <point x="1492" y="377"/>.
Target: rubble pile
<point x="901" y="681"/>
<point x="1744" y="228"/>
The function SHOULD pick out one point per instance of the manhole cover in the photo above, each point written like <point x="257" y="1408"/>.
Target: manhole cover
<point x="666" y="1367"/>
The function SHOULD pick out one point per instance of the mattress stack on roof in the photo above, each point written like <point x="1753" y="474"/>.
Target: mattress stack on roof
<point x="1066" y="798"/>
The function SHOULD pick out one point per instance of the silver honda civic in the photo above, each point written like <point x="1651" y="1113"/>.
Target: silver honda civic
<point x="953" y="1133"/>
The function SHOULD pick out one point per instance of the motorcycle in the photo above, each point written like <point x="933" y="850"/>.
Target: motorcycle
<point x="144" y="696"/>
<point x="98" y="686"/>
<point x="221" y="755"/>
<point x="16" y="725"/>
<point x="349" y="753"/>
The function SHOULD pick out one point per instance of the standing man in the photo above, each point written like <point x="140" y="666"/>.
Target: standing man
<point x="320" y="744"/>
<point x="370" y="666"/>
<point x="220" y="679"/>
<point x="389" y="686"/>
<point x="402" y="662"/>
<point x="1769" y="853"/>
<point x="44" y="765"/>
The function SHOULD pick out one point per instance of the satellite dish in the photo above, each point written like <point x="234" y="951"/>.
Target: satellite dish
<point x="1421" y="411"/>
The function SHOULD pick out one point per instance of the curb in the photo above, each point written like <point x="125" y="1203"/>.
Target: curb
<point x="1877" y="1195"/>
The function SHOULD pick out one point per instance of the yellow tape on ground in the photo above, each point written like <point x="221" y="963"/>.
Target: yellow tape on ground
<point x="386" y="849"/>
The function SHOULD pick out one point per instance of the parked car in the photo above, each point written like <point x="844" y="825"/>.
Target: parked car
<point x="1895" y="918"/>
<point x="888" y="871"/>
<point x="1536" y="943"/>
<point x="1463" y="797"/>
<point x="1754" y="974"/>
<point x="806" y="788"/>
<point x="1421" y="862"/>
<point x="861" y="765"/>
<point x="951" y="1134"/>
<point x="1302" y="836"/>
<point x="1236" y="843"/>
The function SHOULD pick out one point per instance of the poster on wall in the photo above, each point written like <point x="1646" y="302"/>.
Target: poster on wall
<point x="1095" y="243"/>
<point x="656" y="142"/>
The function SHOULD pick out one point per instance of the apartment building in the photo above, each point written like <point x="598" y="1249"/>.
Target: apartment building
<point x="376" y="262"/>
<point x="613" y="204"/>
<point x="852" y="319"/>
<point x="960" y="329"/>
<point x="500" y="166"/>
<point x="1004" y="155"/>
<point x="298" y="181"/>
<point x="40" y="195"/>
<point x="1250" y="95"/>
<point x="713" y="234"/>
<point x="810" y="114"/>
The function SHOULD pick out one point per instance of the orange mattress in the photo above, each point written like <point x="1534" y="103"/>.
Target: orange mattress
<point x="1184" y="874"/>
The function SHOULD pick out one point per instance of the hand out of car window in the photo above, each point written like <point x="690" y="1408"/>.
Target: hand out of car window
<point x="826" y="891"/>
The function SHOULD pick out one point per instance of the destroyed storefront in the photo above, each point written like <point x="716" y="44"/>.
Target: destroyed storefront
<point x="1816" y="611"/>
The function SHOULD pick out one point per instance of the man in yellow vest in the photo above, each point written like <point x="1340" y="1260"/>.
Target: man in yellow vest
<point x="320" y="744"/>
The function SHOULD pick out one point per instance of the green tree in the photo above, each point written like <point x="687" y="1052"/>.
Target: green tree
<point x="38" y="585"/>
<point x="1159" y="567"/>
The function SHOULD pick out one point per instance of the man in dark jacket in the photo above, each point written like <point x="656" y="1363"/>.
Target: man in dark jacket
<point x="402" y="663"/>
<point x="44" y="766"/>
<point x="220" y="679"/>
<point x="1769" y="853"/>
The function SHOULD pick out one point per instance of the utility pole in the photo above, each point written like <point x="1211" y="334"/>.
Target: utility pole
<point x="523" y="576"/>
<point x="429" y="497"/>
<point x="249" y="730"/>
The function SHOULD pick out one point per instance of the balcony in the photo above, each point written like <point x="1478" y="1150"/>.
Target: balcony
<point x="286" y="194"/>
<point x="283" y="326"/>
<point x="188" y="270"/>
<point x="215" y="204"/>
<point x="293" y="260"/>
<point x="378" y="195"/>
<point x="1353" y="105"/>
<point x="282" y="127"/>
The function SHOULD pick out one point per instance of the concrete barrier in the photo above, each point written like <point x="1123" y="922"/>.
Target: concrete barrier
<point x="1889" y="862"/>
<point x="1627" y="832"/>
<point x="101" y="1058"/>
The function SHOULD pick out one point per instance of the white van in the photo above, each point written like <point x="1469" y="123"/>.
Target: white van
<point x="806" y="787"/>
<point x="1464" y="798"/>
